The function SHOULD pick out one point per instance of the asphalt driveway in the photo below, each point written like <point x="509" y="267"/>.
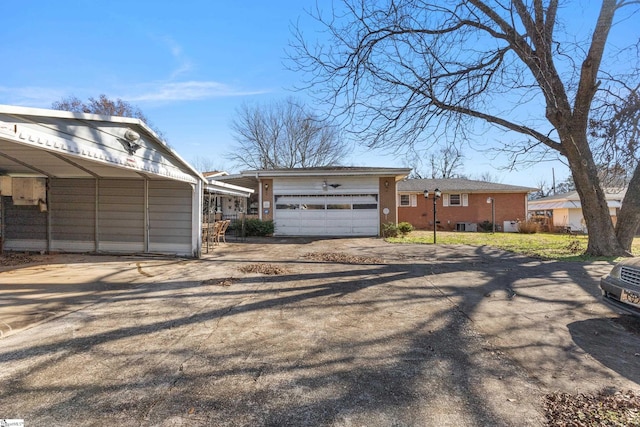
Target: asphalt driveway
<point x="388" y="335"/>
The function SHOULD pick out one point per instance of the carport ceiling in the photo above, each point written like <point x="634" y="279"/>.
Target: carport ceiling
<point x="17" y="160"/>
<point x="59" y="144"/>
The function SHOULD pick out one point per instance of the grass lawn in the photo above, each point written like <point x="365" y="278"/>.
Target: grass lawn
<point x="541" y="245"/>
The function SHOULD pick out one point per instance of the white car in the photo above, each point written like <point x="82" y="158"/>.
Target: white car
<point x="621" y="287"/>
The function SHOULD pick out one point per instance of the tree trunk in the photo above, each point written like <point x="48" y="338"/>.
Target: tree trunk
<point x="629" y="215"/>
<point x="602" y="235"/>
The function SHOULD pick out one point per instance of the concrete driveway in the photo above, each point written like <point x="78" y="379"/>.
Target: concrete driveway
<point x="421" y="336"/>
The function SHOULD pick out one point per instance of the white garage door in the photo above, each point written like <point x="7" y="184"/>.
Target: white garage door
<point x="327" y="215"/>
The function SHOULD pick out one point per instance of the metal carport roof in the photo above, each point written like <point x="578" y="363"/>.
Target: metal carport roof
<point x="60" y="144"/>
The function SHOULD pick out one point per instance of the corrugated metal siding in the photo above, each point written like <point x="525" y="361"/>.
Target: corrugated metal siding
<point x="121" y="215"/>
<point x="72" y="203"/>
<point x="25" y="227"/>
<point x="170" y="216"/>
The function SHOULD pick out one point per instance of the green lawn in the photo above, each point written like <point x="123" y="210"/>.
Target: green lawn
<point x="541" y="245"/>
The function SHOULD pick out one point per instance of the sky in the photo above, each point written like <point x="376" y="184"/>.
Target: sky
<point x="187" y="65"/>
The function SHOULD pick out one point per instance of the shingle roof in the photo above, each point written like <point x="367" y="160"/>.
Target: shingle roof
<point x="459" y="185"/>
<point x="613" y="196"/>
<point x="609" y="194"/>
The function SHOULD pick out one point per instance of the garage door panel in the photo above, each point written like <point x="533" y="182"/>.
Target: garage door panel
<point x="334" y="215"/>
<point x="287" y="229"/>
<point x="366" y="215"/>
<point x="313" y="215"/>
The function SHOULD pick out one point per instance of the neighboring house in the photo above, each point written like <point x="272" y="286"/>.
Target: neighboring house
<point x="564" y="211"/>
<point x="463" y="204"/>
<point x="74" y="182"/>
<point x="325" y="201"/>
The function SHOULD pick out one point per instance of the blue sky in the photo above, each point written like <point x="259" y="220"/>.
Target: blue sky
<point x="188" y="65"/>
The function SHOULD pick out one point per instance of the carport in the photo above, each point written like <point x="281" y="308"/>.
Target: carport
<point x="73" y="182"/>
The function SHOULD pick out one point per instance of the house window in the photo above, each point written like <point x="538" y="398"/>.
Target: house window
<point x="455" y="199"/>
<point x="408" y="200"/>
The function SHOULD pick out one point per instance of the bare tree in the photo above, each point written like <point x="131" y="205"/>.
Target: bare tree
<point x="487" y="176"/>
<point x="104" y="106"/>
<point x="405" y="69"/>
<point x="446" y="162"/>
<point x="615" y="126"/>
<point x="205" y="164"/>
<point x="284" y="135"/>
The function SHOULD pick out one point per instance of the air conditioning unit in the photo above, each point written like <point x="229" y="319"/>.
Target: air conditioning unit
<point x="510" y="226"/>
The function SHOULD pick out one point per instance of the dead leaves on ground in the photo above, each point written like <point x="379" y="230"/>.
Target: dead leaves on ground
<point x="342" y="258"/>
<point x="605" y="408"/>
<point x="269" y="269"/>
<point x="10" y="259"/>
<point x="220" y="282"/>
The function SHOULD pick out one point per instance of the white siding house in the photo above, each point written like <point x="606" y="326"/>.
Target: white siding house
<point x="331" y="201"/>
<point x="565" y="210"/>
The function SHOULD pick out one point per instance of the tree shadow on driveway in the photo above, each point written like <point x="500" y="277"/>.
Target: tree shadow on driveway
<point x="400" y="343"/>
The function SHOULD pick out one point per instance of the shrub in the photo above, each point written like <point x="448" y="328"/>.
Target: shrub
<point x="405" y="228"/>
<point x="389" y="229"/>
<point x="528" y="227"/>
<point x="255" y="227"/>
<point x="486" y="226"/>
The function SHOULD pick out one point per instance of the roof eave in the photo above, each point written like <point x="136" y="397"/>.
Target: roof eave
<point x="398" y="172"/>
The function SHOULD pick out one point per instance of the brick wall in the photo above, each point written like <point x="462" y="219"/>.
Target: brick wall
<point x="508" y="207"/>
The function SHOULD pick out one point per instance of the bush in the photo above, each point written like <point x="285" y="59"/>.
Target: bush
<point x="486" y="226"/>
<point x="405" y="228"/>
<point x="528" y="227"/>
<point x="254" y="227"/>
<point x="389" y="229"/>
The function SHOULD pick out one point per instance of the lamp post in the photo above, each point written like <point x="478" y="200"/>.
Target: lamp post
<point x="436" y="195"/>
<point x="493" y="213"/>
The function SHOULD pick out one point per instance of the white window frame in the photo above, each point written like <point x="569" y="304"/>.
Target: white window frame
<point x="413" y="200"/>
<point x="464" y="199"/>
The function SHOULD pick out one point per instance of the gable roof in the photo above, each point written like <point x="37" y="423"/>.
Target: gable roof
<point x="459" y="185"/>
<point x="571" y="200"/>
<point x="62" y="144"/>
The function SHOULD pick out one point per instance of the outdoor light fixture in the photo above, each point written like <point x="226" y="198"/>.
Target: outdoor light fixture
<point x="266" y="187"/>
<point x="386" y="184"/>
<point x="324" y="185"/>
<point x="436" y="195"/>
<point x="493" y="213"/>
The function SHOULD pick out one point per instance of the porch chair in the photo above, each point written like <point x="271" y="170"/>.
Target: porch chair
<point x="215" y="231"/>
<point x="222" y="230"/>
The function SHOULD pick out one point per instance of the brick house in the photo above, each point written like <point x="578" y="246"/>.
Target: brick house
<point x="463" y="204"/>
